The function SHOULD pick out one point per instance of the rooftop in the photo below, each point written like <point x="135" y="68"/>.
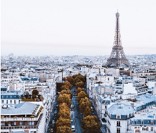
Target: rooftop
<point x="144" y="100"/>
<point x="148" y="113"/>
<point x="20" y="109"/>
<point x="120" y="109"/>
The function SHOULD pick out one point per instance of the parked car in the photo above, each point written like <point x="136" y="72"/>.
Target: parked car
<point x="73" y="128"/>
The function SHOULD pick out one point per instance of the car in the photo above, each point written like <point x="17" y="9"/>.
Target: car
<point x="53" y="122"/>
<point x="73" y="128"/>
<point x="71" y="106"/>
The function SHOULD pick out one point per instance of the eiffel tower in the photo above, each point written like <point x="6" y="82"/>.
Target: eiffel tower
<point x="117" y="58"/>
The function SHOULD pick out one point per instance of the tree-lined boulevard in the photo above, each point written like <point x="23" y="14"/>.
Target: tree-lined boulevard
<point x="73" y="111"/>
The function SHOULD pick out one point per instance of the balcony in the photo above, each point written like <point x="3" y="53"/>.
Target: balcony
<point x="19" y="119"/>
<point x="18" y="127"/>
<point x="22" y="118"/>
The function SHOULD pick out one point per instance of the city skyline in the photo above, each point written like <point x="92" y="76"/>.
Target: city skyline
<point x="77" y="28"/>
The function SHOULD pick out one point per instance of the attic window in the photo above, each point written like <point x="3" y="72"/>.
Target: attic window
<point x="118" y="116"/>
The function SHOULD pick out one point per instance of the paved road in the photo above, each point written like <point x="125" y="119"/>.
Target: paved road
<point x="75" y="116"/>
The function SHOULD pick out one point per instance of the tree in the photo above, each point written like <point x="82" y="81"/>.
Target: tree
<point x="65" y="92"/>
<point x="79" y="76"/>
<point x="35" y="93"/>
<point x="62" y="122"/>
<point x="79" y="84"/>
<point x="77" y="79"/>
<point x="91" y="124"/>
<point x="63" y="106"/>
<point x="64" y="113"/>
<point x="79" y="89"/>
<point x="64" y="87"/>
<point x="64" y="98"/>
<point x="67" y="84"/>
<point x="70" y="79"/>
<point x="81" y="94"/>
<point x="87" y="111"/>
<point x="63" y="129"/>
<point x="83" y="104"/>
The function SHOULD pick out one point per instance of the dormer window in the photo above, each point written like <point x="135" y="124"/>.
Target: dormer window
<point x="118" y="116"/>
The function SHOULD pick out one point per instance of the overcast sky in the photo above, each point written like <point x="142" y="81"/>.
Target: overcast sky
<point x="77" y="27"/>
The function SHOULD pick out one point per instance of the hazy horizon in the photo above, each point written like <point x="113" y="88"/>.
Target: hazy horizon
<point x="70" y="27"/>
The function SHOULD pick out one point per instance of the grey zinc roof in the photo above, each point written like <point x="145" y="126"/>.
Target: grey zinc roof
<point x="146" y="98"/>
<point x="120" y="109"/>
<point x="24" y="78"/>
<point x="20" y="109"/>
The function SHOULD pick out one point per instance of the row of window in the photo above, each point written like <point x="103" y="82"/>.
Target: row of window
<point x="31" y="123"/>
<point x="137" y="129"/>
<point x="143" y="122"/>
<point x="10" y="96"/>
<point x="121" y="117"/>
<point x="10" y="101"/>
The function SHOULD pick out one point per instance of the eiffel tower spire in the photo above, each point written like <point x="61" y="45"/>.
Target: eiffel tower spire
<point x="117" y="57"/>
<point x="117" y="31"/>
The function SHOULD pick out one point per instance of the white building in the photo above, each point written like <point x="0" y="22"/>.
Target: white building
<point x="23" y="117"/>
<point x="118" y="117"/>
<point x="132" y="115"/>
<point x="9" y="98"/>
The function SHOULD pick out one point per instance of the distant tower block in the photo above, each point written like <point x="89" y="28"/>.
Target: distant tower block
<point x="117" y="58"/>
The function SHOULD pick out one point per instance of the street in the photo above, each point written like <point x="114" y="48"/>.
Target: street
<point x="74" y="113"/>
<point x="75" y="117"/>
